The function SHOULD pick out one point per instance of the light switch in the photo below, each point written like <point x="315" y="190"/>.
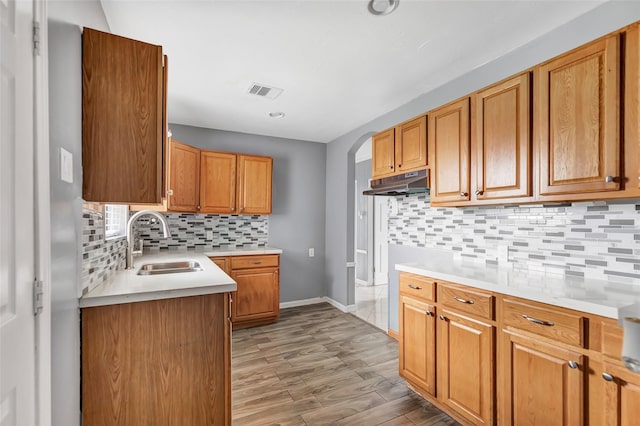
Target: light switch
<point x="66" y="166"/>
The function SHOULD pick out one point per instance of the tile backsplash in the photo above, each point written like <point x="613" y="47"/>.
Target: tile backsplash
<point x="599" y="240"/>
<point x="190" y="231"/>
<point x="100" y="257"/>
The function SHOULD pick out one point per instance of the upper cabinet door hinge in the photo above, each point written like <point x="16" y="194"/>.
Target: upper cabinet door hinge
<point x="36" y="38"/>
<point x="38" y="296"/>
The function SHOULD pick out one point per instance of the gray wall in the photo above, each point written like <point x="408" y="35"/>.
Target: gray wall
<point x="601" y="20"/>
<point x="298" y="218"/>
<point x="65" y="121"/>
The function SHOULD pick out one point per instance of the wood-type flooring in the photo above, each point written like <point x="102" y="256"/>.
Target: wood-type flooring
<point x="320" y="366"/>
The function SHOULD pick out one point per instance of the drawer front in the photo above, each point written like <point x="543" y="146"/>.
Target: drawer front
<point x="474" y="302"/>
<point x="246" y="262"/>
<point x="417" y="286"/>
<point x="545" y="321"/>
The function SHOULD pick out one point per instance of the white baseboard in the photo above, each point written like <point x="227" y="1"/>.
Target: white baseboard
<point x="343" y="308"/>
<point x="363" y="282"/>
<point x="315" y="300"/>
<point x="303" y="302"/>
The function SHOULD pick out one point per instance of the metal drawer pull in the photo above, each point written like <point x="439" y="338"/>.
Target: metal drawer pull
<point x="537" y="321"/>
<point x="573" y="364"/>
<point x="415" y="287"/>
<point x="257" y="262"/>
<point x="461" y="300"/>
<point x="608" y="377"/>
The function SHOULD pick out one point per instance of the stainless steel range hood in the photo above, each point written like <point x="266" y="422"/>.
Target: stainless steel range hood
<point x="408" y="183"/>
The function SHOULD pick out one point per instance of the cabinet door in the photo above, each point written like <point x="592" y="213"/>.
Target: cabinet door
<point x="411" y="145"/>
<point x="577" y="120"/>
<point x="466" y="367"/>
<point x="184" y="177"/>
<point x="217" y="182"/>
<point x="417" y="343"/>
<point x="254" y="184"/>
<point x="258" y="294"/>
<point x="502" y="140"/>
<point x="122" y="119"/>
<point x="449" y="148"/>
<point x="621" y="396"/>
<point x="383" y="154"/>
<point x="543" y="384"/>
<point x="632" y="106"/>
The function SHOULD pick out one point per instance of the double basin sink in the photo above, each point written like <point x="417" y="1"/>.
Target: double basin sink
<point x="169" y="267"/>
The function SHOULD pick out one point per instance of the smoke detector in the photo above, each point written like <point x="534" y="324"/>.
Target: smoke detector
<point x="264" y="91"/>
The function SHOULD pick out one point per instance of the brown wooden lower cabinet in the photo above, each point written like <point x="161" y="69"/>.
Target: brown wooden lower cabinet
<point x="542" y="384"/>
<point x="530" y="363"/>
<point x="257" y="300"/>
<point x="466" y="366"/>
<point x="159" y="362"/>
<point x="417" y="343"/>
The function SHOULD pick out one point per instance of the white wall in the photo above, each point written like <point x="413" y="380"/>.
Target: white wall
<point x="340" y="163"/>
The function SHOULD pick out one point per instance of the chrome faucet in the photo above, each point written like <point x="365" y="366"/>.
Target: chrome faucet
<point x="165" y="231"/>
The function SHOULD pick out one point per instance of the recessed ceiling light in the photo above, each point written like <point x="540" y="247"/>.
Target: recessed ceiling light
<point x="382" y="7"/>
<point x="278" y="114"/>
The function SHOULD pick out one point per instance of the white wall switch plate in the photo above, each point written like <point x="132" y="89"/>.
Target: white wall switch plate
<point x="66" y="166"/>
<point x="312" y="252"/>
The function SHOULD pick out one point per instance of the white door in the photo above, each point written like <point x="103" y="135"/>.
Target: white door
<point x="381" y="250"/>
<point x="17" y="246"/>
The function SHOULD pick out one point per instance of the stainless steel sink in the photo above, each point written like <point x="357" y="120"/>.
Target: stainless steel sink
<point x="169" y="267"/>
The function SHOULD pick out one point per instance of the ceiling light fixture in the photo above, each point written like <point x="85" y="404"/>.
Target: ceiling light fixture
<point x="382" y="7"/>
<point x="278" y="114"/>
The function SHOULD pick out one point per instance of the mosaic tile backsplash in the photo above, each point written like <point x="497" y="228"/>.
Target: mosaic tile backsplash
<point x="190" y="231"/>
<point x="100" y="258"/>
<point x="599" y="240"/>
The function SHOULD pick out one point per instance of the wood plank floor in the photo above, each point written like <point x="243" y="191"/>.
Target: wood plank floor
<point x="319" y="366"/>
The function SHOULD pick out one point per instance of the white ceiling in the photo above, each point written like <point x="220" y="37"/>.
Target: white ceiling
<point x="339" y="66"/>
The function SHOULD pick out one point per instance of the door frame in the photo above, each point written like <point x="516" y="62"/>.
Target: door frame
<point x="42" y="217"/>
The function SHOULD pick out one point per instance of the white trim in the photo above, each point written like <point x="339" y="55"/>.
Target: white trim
<point x="335" y="304"/>
<point x="362" y="282"/>
<point x="303" y="302"/>
<point x="42" y="217"/>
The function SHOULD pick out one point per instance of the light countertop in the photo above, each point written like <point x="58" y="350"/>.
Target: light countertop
<point x="126" y="286"/>
<point x="597" y="297"/>
<point x="241" y="251"/>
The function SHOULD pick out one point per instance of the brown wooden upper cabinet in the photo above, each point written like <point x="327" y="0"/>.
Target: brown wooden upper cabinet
<point x="235" y="183"/>
<point x="183" y="177"/>
<point x="632" y="108"/>
<point x="123" y="119"/>
<point x="449" y="146"/>
<point x="400" y="149"/>
<point x="501" y="140"/>
<point x="577" y="120"/>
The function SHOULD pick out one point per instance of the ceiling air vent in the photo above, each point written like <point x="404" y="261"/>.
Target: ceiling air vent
<point x="264" y="91"/>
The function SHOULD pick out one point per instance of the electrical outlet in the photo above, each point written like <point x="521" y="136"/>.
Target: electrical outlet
<point x="209" y="235"/>
<point x="66" y="166"/>
<point x="312" y="252"/>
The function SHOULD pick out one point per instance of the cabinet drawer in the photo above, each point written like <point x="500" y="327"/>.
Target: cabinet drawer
<point x="246" y="262"/>
<point x="612" y="340"/>
<point x="467" y="300"/>
<point x="545" y="321"/>
<point x="417" y="286"/>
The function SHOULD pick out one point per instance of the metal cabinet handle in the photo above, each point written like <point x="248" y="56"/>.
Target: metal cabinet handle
<point x="390" y="167"/>
<point x="464" y="194"/>
<point x="573" y="364"/>
<point x="232" y="208"/>
<point x="415" y="287"/>
<point x="607" y="377"/>
<point x="399" y="165"/>
<point x="442" y="317"/>
<point x="257" y="262"/>
<point x="537" y="321"/>
<point x="198" y="207"/>
<point x="479" y="192"/>
<point x="429" y="313"/>
<point x="609" y="179"/>
<point x="461" y="300"/>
